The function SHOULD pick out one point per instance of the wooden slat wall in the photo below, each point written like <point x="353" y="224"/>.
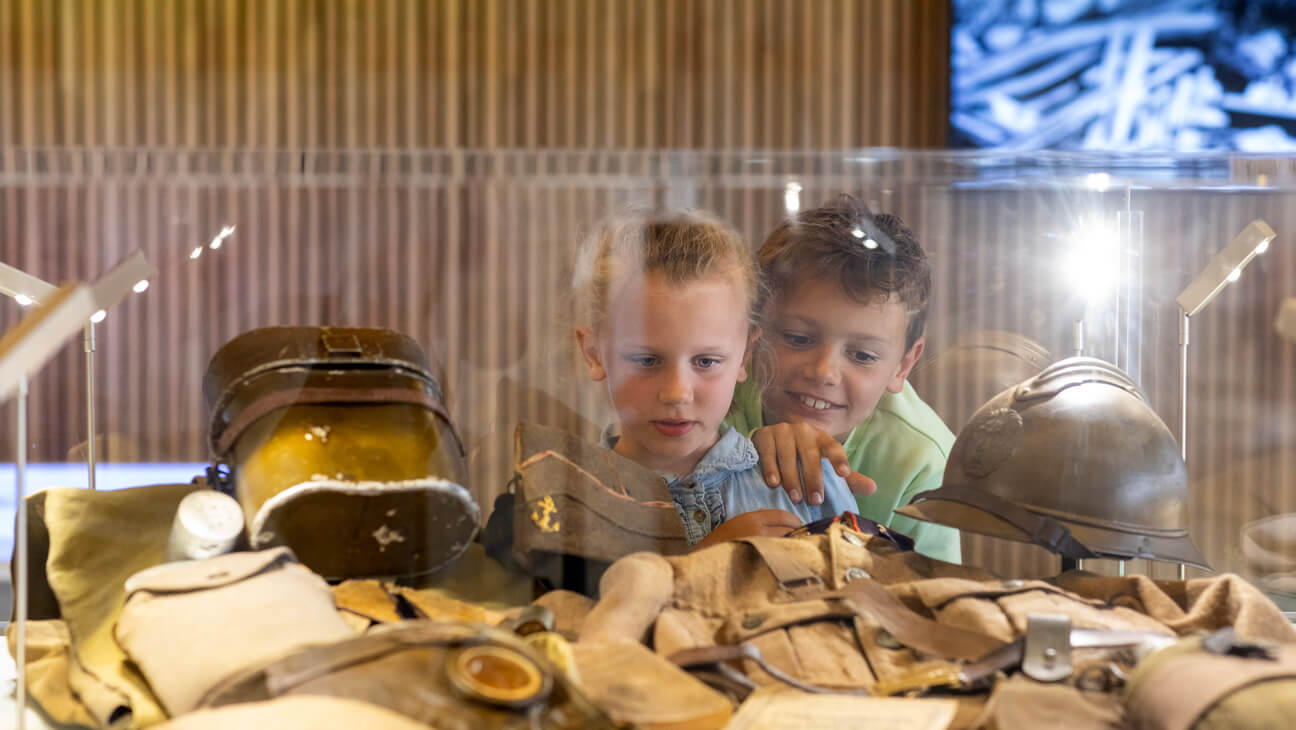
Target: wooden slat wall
<point x="474" y="73"/>
<point x="468" y="253"/>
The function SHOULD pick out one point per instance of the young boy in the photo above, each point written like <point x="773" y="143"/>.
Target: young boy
<point x="844" y="324"/>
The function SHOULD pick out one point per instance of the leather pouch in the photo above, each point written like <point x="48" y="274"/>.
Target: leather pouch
<point x="1216" y="682"/>
<point x="433" y="673"/>
<point x="187" y="625"/>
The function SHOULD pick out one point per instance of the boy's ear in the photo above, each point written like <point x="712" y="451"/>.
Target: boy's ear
<point x="907" y="362"/>
<point x="588" y="342"/>
<point x="748" y="353"/>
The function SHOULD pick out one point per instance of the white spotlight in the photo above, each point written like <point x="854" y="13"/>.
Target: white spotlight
<point x="792" y="197"/>
<point x="23" y="300"/>
<point x="98" y="317"/>
<point x="1099" y="181"/>
<point x="196" y="252"/>
<point x="1092" y="264"/>
<point x="140" y="286"/>
<point x="225" y="232"/>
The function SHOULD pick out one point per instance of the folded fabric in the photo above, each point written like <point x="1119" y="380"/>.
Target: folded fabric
<point x="50" y="666"/>
<point x="188" y="625"/>
<point x="84" y="546"/>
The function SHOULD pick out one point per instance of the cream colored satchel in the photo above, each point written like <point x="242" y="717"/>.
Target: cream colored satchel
<point x="188" y="625"/>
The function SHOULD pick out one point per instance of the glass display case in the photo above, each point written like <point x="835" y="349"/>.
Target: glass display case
<point x="469" y="256"/>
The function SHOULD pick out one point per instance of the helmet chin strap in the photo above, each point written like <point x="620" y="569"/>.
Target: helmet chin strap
<point x="1041" y="530"/>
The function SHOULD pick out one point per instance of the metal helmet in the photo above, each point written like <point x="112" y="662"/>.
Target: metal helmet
<point x="1074" y="460"/>
<point x="958" y="379"/>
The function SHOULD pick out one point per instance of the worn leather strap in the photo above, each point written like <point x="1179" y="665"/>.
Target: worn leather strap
<point x="1042" y="530"/>
<point x="285" y="398"/>
<point x="1177" y="694"/>
<point x="792" y="576"/>
<point x="870" y="598"/>
<point x="719" y="655"/>
<point x="914" y="630"/>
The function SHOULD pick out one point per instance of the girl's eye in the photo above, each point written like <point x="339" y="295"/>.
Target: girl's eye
<point x="643" y="361"/>
<point x="862" y="357"/>
<point x="706" y="363"/>
<point x="794" y="339"/>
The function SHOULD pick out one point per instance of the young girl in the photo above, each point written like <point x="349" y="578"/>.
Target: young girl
<point x="666" y="321"/>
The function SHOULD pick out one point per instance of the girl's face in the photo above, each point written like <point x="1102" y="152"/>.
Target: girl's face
<point x="671" y="355"/>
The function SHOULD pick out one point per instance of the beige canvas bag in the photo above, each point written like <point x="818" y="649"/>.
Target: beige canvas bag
<point x="188" y="625"/>
<point x="845" y="612"/>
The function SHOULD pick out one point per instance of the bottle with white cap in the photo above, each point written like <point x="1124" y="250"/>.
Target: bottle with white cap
<point x="207" y="523"/>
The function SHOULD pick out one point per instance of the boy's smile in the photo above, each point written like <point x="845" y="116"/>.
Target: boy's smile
<point x="671" y="354"/>
<point x="834" y="357"/>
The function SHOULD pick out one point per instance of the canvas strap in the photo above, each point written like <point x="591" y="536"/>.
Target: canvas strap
<point x="870" y="598"/>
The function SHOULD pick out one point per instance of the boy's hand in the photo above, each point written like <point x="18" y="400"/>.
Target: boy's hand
<point x="761" y="523"/>
<point x="790" y="456"/>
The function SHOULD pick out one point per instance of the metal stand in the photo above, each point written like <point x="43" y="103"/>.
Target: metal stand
<point x="1077" y="343"/>
<point x="90" y="401"/>
<point x="20" y="560"/>
<point x="1183" y="401"/>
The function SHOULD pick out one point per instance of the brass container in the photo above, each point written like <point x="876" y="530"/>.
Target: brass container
<point x="337" y="444"/>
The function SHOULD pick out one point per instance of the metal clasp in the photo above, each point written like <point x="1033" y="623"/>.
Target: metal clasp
<point x="340" y="345"/>
<point x="1047" y="654"/>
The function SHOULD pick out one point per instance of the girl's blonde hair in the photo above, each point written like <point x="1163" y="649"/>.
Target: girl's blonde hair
<point x="682" y="246"/>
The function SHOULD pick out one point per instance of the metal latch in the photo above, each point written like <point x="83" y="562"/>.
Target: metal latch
<point x="339" y="345"/>
<point x="1047" y="654"/>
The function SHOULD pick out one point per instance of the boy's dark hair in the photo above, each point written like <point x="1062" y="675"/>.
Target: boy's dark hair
<point x="870" y="256"/>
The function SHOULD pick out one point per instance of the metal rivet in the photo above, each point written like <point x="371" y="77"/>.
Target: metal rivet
<point x="1013" y="584"/>
<point x="752" y="620"/>
<point x="699" y="516"/>
<point x="855" y="573"/>
<point x="885" y="640"/>
<point x="853" y="539"/>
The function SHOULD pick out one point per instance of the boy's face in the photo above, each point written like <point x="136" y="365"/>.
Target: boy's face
<point x="671" y="355"/>
<point x="833" y="356"/>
